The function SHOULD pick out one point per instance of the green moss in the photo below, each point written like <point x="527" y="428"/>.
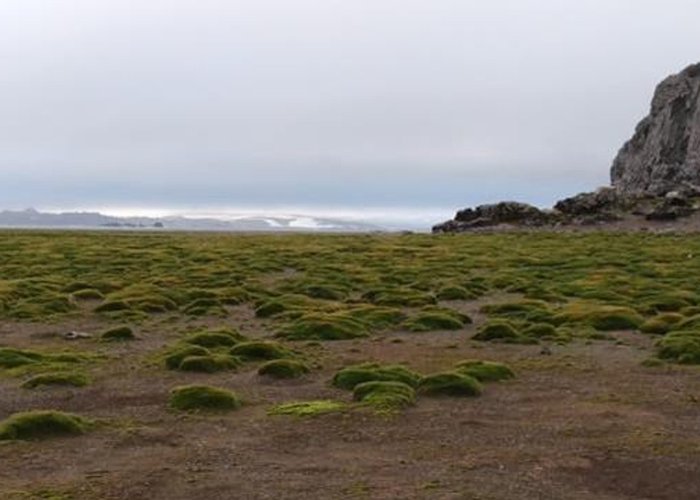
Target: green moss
<point x="680" y="347"/>
<point x="351" y="376"/>
<point x="261" y="350"/>
<point x="385" y="396"/>
<point x="12" y="358"/>
<point x="174" y="358"/>
<point x="117" y="334"/>
<point x="205" y="307"/>
<point x="485" y="371"/>
<point x="284" y="303"/>
<point x="436" y="319"/>
<point x="284" y="368"/>
<point x="541" y="331"/>
<point x="33" y="425"/>
<point x="113" y="306"/>
<point x="307" y="408"/>
<point x="323" y="326"/>
<point x="600" y="317"/>
<point x="519" y="308"/>
<point x="203" y="398"/>
<point x="325" y="292"/>
<point x="214" y="338"/>
<point x="88" y="294"/>
<point x="449" y="384"/>
<point x="454" y="292"/>
<point x="57" y="378"/>
<point x="501" y="331"/>
<point x="211" y="363"/>
<point x="661" y="323"/>
<point x="374" y="317"/>
<point x="400" y="297"/>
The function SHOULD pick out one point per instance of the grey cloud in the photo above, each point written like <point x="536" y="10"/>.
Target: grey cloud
<point x="329" y="102"/>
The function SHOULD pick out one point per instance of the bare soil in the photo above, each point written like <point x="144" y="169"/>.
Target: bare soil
<point x="586" y="422"/>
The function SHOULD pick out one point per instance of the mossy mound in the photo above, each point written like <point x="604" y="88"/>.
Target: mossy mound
<point x="400" y="297"/>
<point x="501" y="331"/>
<point x="375" y="317"/>
<point x="19" y="359"/>
<point x="485" y="371"/>
<point x="214" y="338"/>
<point x="211" y="363"/>
<point x="285" y="303"/>
<point x="519" y="308"/>
<point x="325" y="292"/>
<point x="284" y="368"/>
<point x="88" y="294"/>
<point x="455" y="292"/>
<point x="307" y="408"/>
<point x="261" y="349"/>
<point x="205" y="307"/>
<point x="12" y="358"/>
<point x="541" y="331"/>
<point x="323" y="326"/>
<point x="436" y="319"/>
<point x="600" y="317"/>
<point x="174" y="358"/>
<point x="351" y="376"/>
<point x="669" y="302"/>
<point x="385" y="395"/>
<point x="203" y="398"/>
<point x="33" y="425"/>
<point x="661" y="323"/>
<point x="118" y="334"/>
<point x="57" y="378"/>
<point x="680" y="347"/>
<point x="449" y="384"/>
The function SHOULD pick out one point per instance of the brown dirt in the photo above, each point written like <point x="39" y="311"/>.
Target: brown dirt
<point x="587" y="422"/>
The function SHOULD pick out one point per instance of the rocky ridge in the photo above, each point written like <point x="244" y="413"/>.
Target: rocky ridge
<point x="655" y="176"/>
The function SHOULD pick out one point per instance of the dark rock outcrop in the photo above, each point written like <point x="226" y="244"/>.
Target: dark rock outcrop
<point x="664" y="153"/>
<point x="497" y="214"/>
<point x="655" y="176"/>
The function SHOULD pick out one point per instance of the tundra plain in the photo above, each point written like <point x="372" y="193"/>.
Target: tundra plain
<point x="475" y="366"/>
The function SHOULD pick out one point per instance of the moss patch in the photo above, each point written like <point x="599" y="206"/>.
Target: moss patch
<point x="385" y="396"/>
<point x="485" y="371"/>
<point x="351" y="376"/>
<point x="681" y="347"/>
<point x="203" y="398"/>
<point x="449" y="384"/>
<point x="211" y="363"/>
<point x="501" y="331"/>
<point x="308" y="408"/>
<point x="118" y="334"/>
<point x="436" y="319"/>
<point x="284" y="368"/>
<point x="57" y="378"/>
<point x="261" y="349"/>
<point x="33" y="425"/>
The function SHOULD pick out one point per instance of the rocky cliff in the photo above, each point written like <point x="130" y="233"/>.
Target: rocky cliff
<point x="664" y="153"/>
<point x="655" y="176"/>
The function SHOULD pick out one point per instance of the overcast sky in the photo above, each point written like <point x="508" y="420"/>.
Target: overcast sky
<point x="325" y="104"/>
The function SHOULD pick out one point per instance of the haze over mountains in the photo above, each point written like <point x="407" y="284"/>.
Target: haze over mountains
<point x="31" y="218"/>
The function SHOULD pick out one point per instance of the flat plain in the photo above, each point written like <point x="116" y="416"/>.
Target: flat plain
<point x="225" y="366"/>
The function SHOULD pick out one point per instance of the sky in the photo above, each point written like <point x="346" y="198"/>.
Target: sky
<point x="394" y="108"/>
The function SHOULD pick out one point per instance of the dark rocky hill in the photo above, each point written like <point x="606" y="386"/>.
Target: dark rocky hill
<point x="655" y="176"/>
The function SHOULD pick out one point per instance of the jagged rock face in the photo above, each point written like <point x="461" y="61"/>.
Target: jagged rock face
<point x="664" y="154"/>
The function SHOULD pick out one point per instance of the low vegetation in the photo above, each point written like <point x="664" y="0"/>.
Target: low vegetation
<point x="348" y="378"/>
<point x="203" y="398"/>
<point x="35" y="425"/>
<point x="308" y="408"/>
